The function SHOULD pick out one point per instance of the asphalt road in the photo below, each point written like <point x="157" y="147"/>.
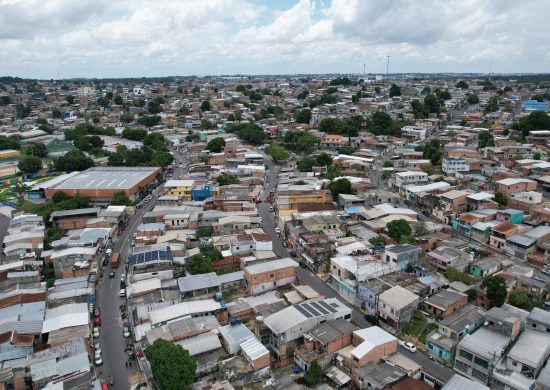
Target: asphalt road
<point x="307" y="277"/>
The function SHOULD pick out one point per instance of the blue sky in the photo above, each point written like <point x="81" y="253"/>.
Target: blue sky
<point x="108" y="38"/>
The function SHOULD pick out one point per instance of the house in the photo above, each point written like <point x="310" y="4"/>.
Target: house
<point x="484" y="267"/>
<point x="441" y="342"/>
<point x="444" y="257"/>
<point x="539" y="320"/>
<point x="403" y="254"/>
<point x="73" y="219"/>
<point x="270" y="275"/>
<point x="371" y="345"/>
<point x="459" y="382"/>
<point x="182" y="188"/>
<point x="397" y="305"/>
<point x="322" y="343"/>
<point x="510" y="185"/>
<point x="445" y="303"/>
<point x="522" y="244"/>
<point x="282" y="332"/>
<point x="453" y="165"/>
<point x="202" y="285"/>
<point x="205" y="348"/>
<point x="402" y="179"/>
<point x="477" y="353"/>
<point x="500" y="234"/>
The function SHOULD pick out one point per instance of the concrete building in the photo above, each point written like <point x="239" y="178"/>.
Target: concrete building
<point x="182" y="188"/>
<point x="445" y="303"/>
<point x="410" y="177"/>
<point x="284" y="330"/>
<point x="453" y="165"/>
<point x="402" y="255"/>
<point x="444" y="257"/>
<point x="510" y="185"/>
<point x="397" y="305"/>
<point x="270" y="275"/>
<point x="371" y="345"/>
<point x="101" y="183"/>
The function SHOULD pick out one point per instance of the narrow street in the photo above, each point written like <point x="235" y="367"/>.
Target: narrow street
<point x="307" y="277"/>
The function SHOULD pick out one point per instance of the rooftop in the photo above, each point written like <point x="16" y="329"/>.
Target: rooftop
<point x="270" y="266"/>
<point x="120" y="178"/>
<point x="398" y="297"/>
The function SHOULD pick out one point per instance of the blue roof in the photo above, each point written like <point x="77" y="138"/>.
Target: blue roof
<point x="352" y="210"/>
<point x="154" y="255"/>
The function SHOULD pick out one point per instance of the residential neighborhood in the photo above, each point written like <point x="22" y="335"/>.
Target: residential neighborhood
<point x="326" y="231"/>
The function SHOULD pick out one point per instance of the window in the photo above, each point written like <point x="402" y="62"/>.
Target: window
<point x="465" y="355"/>
<point x="481" y="362"/>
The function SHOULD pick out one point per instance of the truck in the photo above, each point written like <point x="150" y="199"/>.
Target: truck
<point x="114" y="259"/>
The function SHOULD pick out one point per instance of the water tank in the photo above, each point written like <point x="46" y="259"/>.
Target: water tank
<point x="260" y="319"/>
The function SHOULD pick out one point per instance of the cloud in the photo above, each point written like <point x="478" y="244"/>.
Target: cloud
<point x="107" y="38"/>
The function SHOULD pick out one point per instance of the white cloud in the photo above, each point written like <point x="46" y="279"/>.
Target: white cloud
<point x="168" y="37"/>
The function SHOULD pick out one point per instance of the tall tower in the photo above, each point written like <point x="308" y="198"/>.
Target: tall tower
<point x="388" y="67"/>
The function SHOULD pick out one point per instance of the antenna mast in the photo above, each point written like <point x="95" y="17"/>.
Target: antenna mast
<point x="388" y="67"/>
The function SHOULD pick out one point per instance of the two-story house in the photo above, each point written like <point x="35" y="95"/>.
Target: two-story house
<point x="397" y="305"/>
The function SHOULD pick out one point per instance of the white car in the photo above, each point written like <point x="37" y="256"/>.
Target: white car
<point x="126" y="332"/>
<point x="408" y="346"/>
<point x="123" y="278"/>
<point x="277" y="230"/>
<point x="133" y="243"/>
<point x="98" y="361"/>
<point x="97" y="354"/>
<point x="96" y="332"/>
<point x="122" y="293"/>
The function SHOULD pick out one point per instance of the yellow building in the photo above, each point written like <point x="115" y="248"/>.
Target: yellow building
<point x="179" y="188"/>
<point x="5" y="154"/>
<point x="289" y="201"/>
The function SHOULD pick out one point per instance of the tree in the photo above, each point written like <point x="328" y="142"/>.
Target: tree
<point x="161" y="159"/>
<point x="398" y="228"/>
<point x="300" y="141"/>
<point x="248" y="132"/>
<point x="173" y="367"/>
<point x="395" y="90"/>
<point x="69" y="99"/>
<point x="149" y="120"/>
<point x="495" y="289"/>
<point x="486" y="139"/>
<point x="127" y="117"/>
<point x="59" y="197"/>
<point x="314" y="374"/>
<point x="30" y="164"/>
<point x="134" y="134"/>
<point x="340" y="186"/>
<point x="472" y="99"/>
<point x="205" y="106"/>
<point x="341" y="81"/>
<point x="388" y="164"/>
<point x="537" y="156"/>
<point x="347" y="127"/>
<point x="324" y="159"/>
<point x="225" y="179"/>
<point x="120" y="199"/>
<point x="382" y="124"/>
<point x="454" y="275"/>
<point x="306" y="164"/>
<point x="277" y="152"/>
<point x="520" y="299"/>
<point x="537" y="120"/>
<point x="303" y="116"/>
<point x="216" y="145"/>
<point x="432" y="103"/>
<point x="73" y="160"/>
<point x="118" y="100"/>
<point x="38" y="150"/>
<point x="198" y="264"/>
<point x="184" y="110"/>
<point x="8" y="143"/>
<point x="500" y="198"/>
<point x="432" y="151"/>
<point x="492" y="105"/>
<point x="462" y="84"/>
<point x="378" y="240"/>
<point x="154" y="107"/>
<point x="155" y="141"/>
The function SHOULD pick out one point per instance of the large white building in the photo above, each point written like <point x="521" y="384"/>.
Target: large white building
<point x="414" y="131"/>
<point x="410" y="177"/>
<point x="452" y="165"/>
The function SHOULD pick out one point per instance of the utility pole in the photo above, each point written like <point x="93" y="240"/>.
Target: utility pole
<point x="364" y="71"/>
<point x="388" y="67"/>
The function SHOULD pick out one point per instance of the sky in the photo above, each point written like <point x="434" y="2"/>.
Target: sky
<point x="139" y="38"/>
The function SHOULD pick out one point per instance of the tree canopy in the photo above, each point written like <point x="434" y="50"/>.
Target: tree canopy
<point x="277" y="152"/>
<point x="120" y="199"/>
<point x="537" y="120"/>
<point x="348" y="127"/>
<point x="38" y="150"/>
<point x="495" y="289"/>
<point x="173" y="367"/>
<point x="472" y="99"/>
<point x="500" y="198"/>
<point x="432" y="150"/>
<point x="225" y="179"/>
<point x="314" y="374"/>
<point x="395" y="90"/>
<point x="486" y="139"/>
<point x="462" y="84"/>
<point x="205" y="106"/>
<point x="73" y="160"/>
<point x="134" y="134"/>
<point x="215" y="145"/>
<point x="398" y="229"/>
<point x="303" y="116"/>
<point x="340" y="186"/>
<point x="149" y="120"/>
<point x="300" y="141"/>
<point x="8" y="143"/>
<point x="382" y="124"/>
<point x="30" y="164"/>
<point x="520" y="299"/>
<point x="248" y="132"/>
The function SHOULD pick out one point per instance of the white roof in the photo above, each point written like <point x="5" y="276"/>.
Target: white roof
<point x="270" y="266"/>
<point x="481" y="196"/>
<point x="253" y="348"/>
<point x="143" y="286"/>
<point x="374" y="337"/>
<point x="411" y="173"/>
<point x="513" y="180"/>
<point x="440" y="185"/>
<point x="389" y="209"/>
<point x="398" y="297"/>
<point x="202" y="343"/>
<point x="179" y="183"/>
<point x="65" y="321"/>
<point x="183" y="309"/>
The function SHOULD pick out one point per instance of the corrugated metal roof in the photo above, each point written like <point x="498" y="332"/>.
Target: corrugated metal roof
<point x="202" y="343"/>
<point x="271" y="266"/>
<point x="254" y="349"/>
<point x="65" y="321"/>
<point x="198" y="282"/>
<point x="234" y="335"/>
<point x="459" y="382"/>
<point x="231" y="277"/>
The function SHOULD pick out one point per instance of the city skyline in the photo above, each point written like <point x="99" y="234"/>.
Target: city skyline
<point x="60" y="39"/>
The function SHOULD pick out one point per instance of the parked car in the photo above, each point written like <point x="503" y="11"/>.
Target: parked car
<point x="123" y="278"/>
<point x="99" y="361"/>
<point x="97" y="354"/>
<point x="277" y="230"/>
<point x="409" y="346"/>
<point x="426" y="213"/>
<point x="96" y="312"/>
<point x="270" y="208"/>
<point x="122" y="292"/>
<point x="126" y="332"/>
<point x="97" y="321"/>
<point x="111" y="274"/>
<point x="133" y="243"/>
<point x="96" y="332"/>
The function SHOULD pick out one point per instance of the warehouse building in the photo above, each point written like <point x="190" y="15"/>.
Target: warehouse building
<point x="101" y="183"/>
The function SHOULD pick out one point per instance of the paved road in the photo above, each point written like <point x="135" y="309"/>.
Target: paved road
<point x="113" y="343"/>
<point x="309" y="278"/>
